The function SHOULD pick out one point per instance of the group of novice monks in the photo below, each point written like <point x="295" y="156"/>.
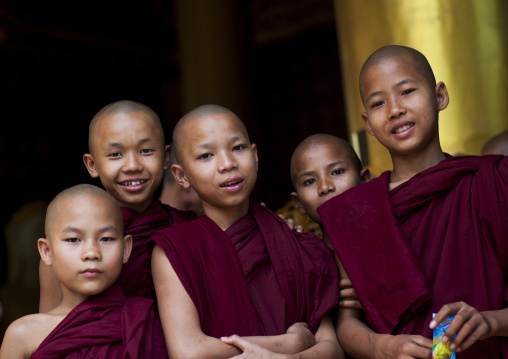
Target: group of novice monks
<point x="124" y="276"/>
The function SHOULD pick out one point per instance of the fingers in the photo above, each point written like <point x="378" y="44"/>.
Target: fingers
<point x="236" y="341"/>
<point x="299" y="229"/>
<point x="355" y="304"/>
<point x="422" y="341"/>
<point x="469" y="325"/>
<point x="345" y="283"/>
<point x="347" y="293"/>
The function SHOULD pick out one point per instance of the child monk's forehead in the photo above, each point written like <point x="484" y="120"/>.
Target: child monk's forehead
<point x="70" y="197"/>
<point x="123" y="108"/>
<point x="414" y="60"/>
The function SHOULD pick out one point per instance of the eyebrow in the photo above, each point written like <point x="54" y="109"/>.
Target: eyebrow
<point x="403" y="82"/>
<point x="72" y="229"/>
<point x="207" y="145"/>
<point x="118" y="144"/>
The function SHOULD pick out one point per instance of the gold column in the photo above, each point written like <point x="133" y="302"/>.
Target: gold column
<point x="213" y="54"/>
<point x="466" y="43"/>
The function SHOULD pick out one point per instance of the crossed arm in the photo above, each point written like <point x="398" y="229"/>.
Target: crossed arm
<point x="185" y="339"/>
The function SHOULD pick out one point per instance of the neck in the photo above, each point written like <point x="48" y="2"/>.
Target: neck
<point x="225" y="217"/>
<point x="70" y="300"/>
<point x="405" y="167"/>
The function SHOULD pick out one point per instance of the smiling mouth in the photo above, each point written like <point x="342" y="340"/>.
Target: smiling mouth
<point x="232" y="183"/>
<point x="403" y="128"/>
<point x="133" y="183"/>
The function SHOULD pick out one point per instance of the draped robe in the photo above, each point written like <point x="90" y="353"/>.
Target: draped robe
<point x="441" y="237"/>
<point x="107" y="325"/>
<point x="136" y="278"/>
<point x="256" y="278"/>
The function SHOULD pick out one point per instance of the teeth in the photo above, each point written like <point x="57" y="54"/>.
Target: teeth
<point x="133" y="183"/>
<point x="230" y="183"/>
<point x="403" y="128"/>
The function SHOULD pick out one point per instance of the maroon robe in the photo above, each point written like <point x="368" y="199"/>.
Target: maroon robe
<point x="441" y="237"/>
<point x="107" y="325"/>
<point x="257" y="278"/>
<point x="135" y="278"/>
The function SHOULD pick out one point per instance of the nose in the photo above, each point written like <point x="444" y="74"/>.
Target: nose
<point x="326" y="186"/>
<point x="91" y="251"/>
<point x="397" y="108"/>
<point x="132" y="163"/>
<point x="226" y="162"/>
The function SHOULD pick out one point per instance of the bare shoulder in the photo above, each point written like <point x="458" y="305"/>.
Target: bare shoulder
<point x="24" y="335"/>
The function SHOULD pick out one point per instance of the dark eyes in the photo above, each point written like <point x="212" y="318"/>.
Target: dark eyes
<point x="114" y="154"/>
<point x="107" y="239"/>
<point x="146" y="150"/>
<point x="338" y="171"/>
<point x="408" y="91"/>
<point x="72" y="240"/>
<point x="238" y="147"/>
<point x="309" y="182"/>
<point x="376" y="104"/>
<point x="205" y="156"/>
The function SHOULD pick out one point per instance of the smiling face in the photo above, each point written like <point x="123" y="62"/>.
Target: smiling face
<point x="323" y="170"/>
<point x="401" y="106"/>
<point x="218" y="161"/>
<point x="129" y="156"/>
<point x="85" y="243"/>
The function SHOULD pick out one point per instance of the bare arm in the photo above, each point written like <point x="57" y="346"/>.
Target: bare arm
<point x="51" y="292"/>
<point x="360" y="341"/>
<point x="326" y="346"/>
<point x="181" y="324"/>
<point x="179" y="317"/>
<point x="17" y="342"/>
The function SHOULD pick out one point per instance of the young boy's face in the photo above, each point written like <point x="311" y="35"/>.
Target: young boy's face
<point x="129" y="156"/>
<point x="401" y="106"/>
<point x="322" y="171"/>
<point x="218" y="161"/>
<point x="85" y="244"/>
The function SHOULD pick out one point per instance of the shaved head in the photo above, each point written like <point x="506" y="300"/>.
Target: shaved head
<point x="200" y="112"/>
<point x="124" y="107"/>
<point x="416" y="58"/>
<point x="320" y="139"/>
<point x="497" y="145"/>
<point x="74" y="192"/>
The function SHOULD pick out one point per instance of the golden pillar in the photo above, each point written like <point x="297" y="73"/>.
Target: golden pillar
<point x="213" y="54"/>
<point x="466" y="43"/>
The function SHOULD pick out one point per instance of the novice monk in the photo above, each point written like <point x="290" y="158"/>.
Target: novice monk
<point x="238" y="269"/>
<point x="323" y="166"/>
<point x="429" y="237"/>
<point x="497" y="145"/>
<point x="85" y="245"/>
<point x="129" y="155"/>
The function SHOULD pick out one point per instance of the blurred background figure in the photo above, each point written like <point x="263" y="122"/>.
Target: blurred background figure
<point x="20" y="293"/>
<point x="497" y="145"/>
<point x="177" y="196"/>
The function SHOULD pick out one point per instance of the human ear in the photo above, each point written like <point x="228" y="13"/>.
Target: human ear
<point x="255" y="150"/>
<point x="365" y="119"/>
<point x="296" y="198"/>
<point x="127" y="247"/>
<point x="44" y="251"/>
<point x="179" y="175"/>
<point x="365" y="175"/>
<point x="442" y="96"/>
<point x="167" y="156"/>
<point x="90" y="165"/>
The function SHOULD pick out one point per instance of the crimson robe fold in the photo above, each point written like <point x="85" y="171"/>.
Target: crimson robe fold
<point x="257" y="278"/>
<point x="439" y="238"/>
<point x="107" y="325"/>
<point x="136" y="278"/>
